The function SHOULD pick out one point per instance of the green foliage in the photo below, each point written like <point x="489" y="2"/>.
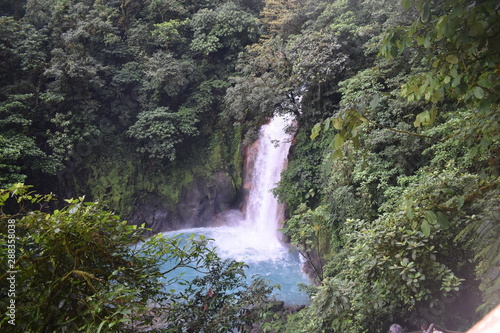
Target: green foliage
<point x="326" y="47"/>
<point x="357" y="189"/>
<point x="161" y="130"/>
<point x="300" y="181"/>
<point x="220" y="301"/>
<point x="281" y="17"/>
<point x="227" y="26"/>
<point x="317" y="57"/>
<point x="384" y="269"/>
<point x="248" y="100"/>
<point x="95" y="70"/>
<point x="465" y="66"/>
<point x="465" y="33"/>
<point x="411" y="171"/>
<point x="165" y="74"/>
<point x="409" y="141"/>
<point x="168" y="33"/>
<point x="163" y="9"/>
<point x="481" y="232"/>
<point x="20" y="152"/>
<point x="15" y="150"/>
<point x="77" y="269"/>
<point x="312" y="233"/>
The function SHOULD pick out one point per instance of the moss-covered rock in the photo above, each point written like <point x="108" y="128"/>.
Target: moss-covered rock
<point x="186" y="192"/>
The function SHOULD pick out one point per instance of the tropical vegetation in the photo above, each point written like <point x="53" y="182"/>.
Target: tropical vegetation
<point x="392" y="184"/>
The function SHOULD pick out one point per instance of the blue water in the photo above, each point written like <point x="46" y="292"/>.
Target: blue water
<point x="251" y="235"/>
<point x="272" y="262"/>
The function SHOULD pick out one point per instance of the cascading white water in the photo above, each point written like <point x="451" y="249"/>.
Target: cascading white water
<point x="252" y="236"/>
<point x="263" y="212"/>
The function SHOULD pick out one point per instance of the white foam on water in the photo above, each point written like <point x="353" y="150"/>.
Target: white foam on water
<point x="252" y="236"/>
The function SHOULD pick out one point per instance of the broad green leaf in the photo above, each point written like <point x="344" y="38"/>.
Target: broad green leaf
<point x="484" y="82"/>
<point x="442" y="220"/>
<point x="99" y="329"/>
<point x="327" y="123"/>
<point x="409" y="213"/>
<point x="417" y="121"/>
<point x="426" y="228"/>
<point x="427" y="41"/>
<point x="338" y="140"/>
<point x="4" y="197"/>
<point x="452" y="59"/>
<point x="476" y="29"/>
<point x="431" y="216"/>
<point x="426" y="13"/>
<point x="337" y="154"/>
<point x="315" y="131"/>
<point x="456" y="81"/>
<point x="337" y="123"/>
<point x="434" y="83"/>
<point x="478" y="92"/>
<point x="413" y="28"/>
<point x="423" y="118"/>
<point x="460" y="202"/>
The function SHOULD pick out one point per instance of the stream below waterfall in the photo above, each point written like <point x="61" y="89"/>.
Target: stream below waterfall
<point x="251" y="235"/>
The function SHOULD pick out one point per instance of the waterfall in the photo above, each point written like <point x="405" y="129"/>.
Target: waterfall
<point x="263" y="214"/>
<point x="252" y="234"/>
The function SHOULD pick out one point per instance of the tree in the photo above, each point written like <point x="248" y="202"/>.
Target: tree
<point x="280" y="17"/>
<point x="312" y="233"/>
<point x="227" y="27"/>
<point x="428" y="156"/>
<point x="160" y="130"/>
<point x="458" y="39"/>
<point x="21" y="47"/>
<point x="80" y="268"/>
<point x="164" y="76"/>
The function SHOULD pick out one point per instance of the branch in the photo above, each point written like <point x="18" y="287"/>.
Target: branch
<point x="400" y="131"/>
<point x="430" y="329"/>
<point x="185" y="266"/>
<point x="480" y="191"/>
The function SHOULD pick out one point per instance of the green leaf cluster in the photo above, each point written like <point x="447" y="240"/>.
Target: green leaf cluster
<point x="80" y="268"/>
<point x="91" y="72"/>
<point x="161" y="130"/>
<point x="401" y="103"/>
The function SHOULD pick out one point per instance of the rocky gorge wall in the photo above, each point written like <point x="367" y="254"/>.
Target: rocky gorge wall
<point x="187" y="192"/>
<point x="199" y="202"/>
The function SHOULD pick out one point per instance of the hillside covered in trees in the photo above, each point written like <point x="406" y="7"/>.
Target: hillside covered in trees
<point x="392" y="184"/>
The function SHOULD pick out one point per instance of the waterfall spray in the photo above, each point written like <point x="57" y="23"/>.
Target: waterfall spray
<point x="252" y="235"/>
<point x="263" y="214"/>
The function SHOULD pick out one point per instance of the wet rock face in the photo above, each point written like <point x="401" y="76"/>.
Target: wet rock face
<point x="151" y="210"/>
<point x="198" y="204"/>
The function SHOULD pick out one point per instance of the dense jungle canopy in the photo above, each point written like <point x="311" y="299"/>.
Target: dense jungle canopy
<point x="392" y="184"/>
